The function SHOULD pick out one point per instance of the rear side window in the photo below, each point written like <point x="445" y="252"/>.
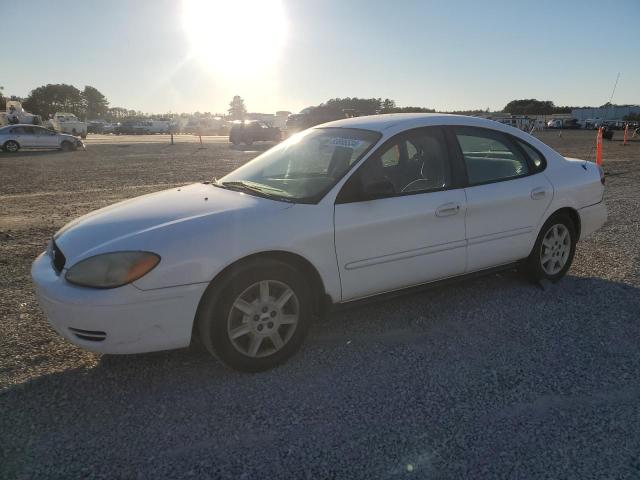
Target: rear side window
<point x="536" y="158"/>
<point x="490" y="156"/>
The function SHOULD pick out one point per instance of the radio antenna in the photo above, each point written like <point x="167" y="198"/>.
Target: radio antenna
<point x="614" y="87"/>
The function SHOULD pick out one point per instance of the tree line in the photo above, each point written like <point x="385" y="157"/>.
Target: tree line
<point x="91" y="104"/>
<point x="88" y="103"/>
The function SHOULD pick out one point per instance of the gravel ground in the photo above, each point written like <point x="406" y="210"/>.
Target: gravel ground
<point x="490" y="378"/>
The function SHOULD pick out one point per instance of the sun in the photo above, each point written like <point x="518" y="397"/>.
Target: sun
<point x="235" y="37"/>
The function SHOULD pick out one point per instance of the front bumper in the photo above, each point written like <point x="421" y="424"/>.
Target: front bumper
<point x="119" y="320"/>
<point x="592" y="218"/>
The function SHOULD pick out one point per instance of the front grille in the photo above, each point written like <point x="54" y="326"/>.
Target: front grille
<point x="57" y="258"/>
<point x="89" y="335"/>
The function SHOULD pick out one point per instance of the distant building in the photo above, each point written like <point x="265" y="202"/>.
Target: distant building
<point x="604" y="113"/>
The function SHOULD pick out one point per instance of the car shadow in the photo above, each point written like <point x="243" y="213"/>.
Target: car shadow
<point x="23" y="152"/>
<point x="410" y="313"/>
<point x="498" y="330"/>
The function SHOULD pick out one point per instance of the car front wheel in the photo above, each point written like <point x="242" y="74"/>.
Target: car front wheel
<point x="67" y="146"/>
<point x="555" y="247"/>
<point x="11" y="146"/>
<point x="259" y="319"/>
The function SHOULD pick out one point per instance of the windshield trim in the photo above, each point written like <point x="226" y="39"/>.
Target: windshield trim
<point x="315" y="199"/>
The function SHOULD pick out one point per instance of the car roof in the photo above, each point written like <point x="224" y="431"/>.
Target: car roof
<point x="404" y="121"/>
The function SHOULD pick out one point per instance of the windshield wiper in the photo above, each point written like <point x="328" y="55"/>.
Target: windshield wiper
<point x="251" y="187"/>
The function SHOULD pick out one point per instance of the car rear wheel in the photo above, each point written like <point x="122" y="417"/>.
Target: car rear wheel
<point x="258" y="319"/>
<point x="554" y="249"/>
<point x="11" y="146"/>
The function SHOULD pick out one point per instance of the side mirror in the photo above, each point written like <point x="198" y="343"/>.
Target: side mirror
<point x="379" y="188"/>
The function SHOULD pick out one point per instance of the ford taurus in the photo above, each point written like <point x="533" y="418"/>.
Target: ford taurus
<point x="339" y="212"/>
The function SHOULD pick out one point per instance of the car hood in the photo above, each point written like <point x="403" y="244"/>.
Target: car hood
<point x="68" y="136"/>
<point x="118" y="226"/>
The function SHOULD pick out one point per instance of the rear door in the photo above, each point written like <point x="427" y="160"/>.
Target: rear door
<point x="16" y="133"/>
<point x="27" y="137"/>
<point x="414" y="234"/>
<point x="507" y="196"/>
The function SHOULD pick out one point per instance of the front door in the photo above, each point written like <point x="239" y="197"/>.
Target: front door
<point x="46" y="138"/>
<point x="412" y="234"/>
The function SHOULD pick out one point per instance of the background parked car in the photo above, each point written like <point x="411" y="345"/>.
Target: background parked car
<point x="65" y="122"/>
<point x="15" y="137"/>
<point x="253" y="131"/>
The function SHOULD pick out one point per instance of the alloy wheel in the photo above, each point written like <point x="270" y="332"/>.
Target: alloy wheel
<point x="555" y="249"/>
<point x="263" y="318"/>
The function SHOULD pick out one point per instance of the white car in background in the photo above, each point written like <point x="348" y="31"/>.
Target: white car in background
<point x="340" y="212"/>
<point x="15" y="137"/>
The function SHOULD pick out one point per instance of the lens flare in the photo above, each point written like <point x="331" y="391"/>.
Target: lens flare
<point x="235" y="37"/>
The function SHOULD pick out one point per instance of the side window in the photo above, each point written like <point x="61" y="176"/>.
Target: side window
<point x="28" y="130"/>
<point x="17" y="130"/>
<point x="489" y="156"/>
<point x="391" y="158"/>
<point x="414" y="162"/>
<point x="537" y="159"/>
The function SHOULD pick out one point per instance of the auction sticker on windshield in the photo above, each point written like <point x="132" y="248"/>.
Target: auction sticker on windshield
<point x="346" y="142"/>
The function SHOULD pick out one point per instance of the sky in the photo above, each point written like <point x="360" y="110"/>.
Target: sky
<point x="194" y="55"/>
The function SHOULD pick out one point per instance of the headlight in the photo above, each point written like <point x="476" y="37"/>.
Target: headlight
<point x="111" y="270"/>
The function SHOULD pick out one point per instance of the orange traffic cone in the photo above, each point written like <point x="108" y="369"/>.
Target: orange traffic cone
<point x="599" y="147"/>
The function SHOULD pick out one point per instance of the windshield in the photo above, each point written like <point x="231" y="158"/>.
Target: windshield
<point x="304" y="167"/>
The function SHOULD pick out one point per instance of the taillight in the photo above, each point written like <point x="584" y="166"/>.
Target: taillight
<point x="601" y="174"/>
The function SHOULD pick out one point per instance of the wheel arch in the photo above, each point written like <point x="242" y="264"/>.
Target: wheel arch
<point x="573" y="214"/>
<point x="67" y="141"/>
<point x="12" y="140"/>
<point x="321" y="300"/>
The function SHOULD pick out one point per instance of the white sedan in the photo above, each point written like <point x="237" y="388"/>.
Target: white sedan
<point x="15" y="137"/>
<point x="343" y="211"/>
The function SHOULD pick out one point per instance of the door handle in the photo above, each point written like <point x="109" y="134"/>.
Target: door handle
<point x="538" y="193"/>
<point x="447" y="209"/>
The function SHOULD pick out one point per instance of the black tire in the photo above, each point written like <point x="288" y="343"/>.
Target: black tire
<point x="216" y="305"/>
<point x="534" y="264"/>
<point x="11" y="146"/>
<point x="67" y="146"/>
